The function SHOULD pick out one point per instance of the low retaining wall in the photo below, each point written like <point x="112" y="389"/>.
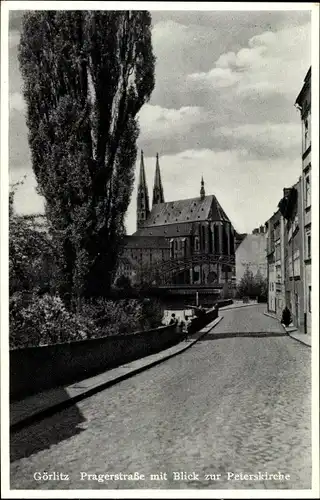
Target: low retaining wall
<point x="34" y="369"/>
<point x="200" y="322"/>
<point x="224" y="302"/>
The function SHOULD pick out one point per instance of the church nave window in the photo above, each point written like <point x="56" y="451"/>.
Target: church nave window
<point x="171" y="249"/>
<point x="196" y="244"/>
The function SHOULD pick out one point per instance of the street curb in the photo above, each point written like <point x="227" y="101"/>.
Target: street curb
<point x="90" y="392"/>
<point x="227" y="308"/>
<point x="299" y="340"/>
<point x="284" y="328"/>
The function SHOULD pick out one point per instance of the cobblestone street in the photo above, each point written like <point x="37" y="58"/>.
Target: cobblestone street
<point x="232" y="405"/>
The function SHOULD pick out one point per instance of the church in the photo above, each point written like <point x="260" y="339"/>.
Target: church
<point x="180" y="242"/>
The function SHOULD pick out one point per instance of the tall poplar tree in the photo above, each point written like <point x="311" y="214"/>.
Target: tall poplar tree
<point x="86" y="75"/>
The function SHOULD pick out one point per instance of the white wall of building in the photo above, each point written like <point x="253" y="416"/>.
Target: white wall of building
<point x="251" y="253"/>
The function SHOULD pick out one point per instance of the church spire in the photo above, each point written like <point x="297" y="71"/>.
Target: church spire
<point x="202" y="191"/>
<point x="142" y="196"/>
<point x="157" y="188"/>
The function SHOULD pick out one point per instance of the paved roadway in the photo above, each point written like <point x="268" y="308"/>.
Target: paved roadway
<point x="224" y="406"/>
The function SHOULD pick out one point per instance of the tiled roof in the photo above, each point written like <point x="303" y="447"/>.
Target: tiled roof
<point x="190" y="210"/>
<point x="145" y="241"/>
<point x="168" y="230"/>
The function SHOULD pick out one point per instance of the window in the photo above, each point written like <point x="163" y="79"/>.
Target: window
<point x="196" y="244"/>
<point x="184" y="247"/>
<point x="309" y="299"/>
<point x="203" y="237"/>
<point x="308" y="192"/>
<point x="296" y="263"/>
<point x="307" y="133"/>
<point x="277" y="251"/>
<point x="309" y="246"/>
<point x="171" y="249"/>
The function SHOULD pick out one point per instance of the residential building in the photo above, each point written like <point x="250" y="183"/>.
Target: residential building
<point x="251" y="254"/>
<point x="272" y="255"/>
<point x="303" y="103"/>
<point x="293" y="257"/>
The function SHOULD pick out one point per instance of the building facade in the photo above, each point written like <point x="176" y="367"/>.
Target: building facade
<point x="272" y="256"/>
<point x="251" y="254"/>
<point x="189" y="242"/>
<point x="293" y="258"/>
<point x="303" y="103"/>
<point x="289" y="234"/>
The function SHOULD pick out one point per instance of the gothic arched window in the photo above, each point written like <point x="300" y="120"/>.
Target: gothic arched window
<point x="171" y="249"/>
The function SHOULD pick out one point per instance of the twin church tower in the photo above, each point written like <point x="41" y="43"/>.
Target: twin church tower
<point x="143" y="209"/>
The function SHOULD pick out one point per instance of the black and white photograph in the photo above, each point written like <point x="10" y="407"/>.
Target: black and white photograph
<point x="160" y="251"/>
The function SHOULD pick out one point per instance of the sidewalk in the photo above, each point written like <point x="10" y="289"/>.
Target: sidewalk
<point x="43" y="404"/>
<point x="293" y="332"/>
<point x="237" y="304"/>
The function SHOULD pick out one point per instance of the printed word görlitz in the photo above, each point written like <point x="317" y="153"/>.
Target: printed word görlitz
<point x="50" y="476"/>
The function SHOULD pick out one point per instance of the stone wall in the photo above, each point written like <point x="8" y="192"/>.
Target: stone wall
<point x="34" y="369"/>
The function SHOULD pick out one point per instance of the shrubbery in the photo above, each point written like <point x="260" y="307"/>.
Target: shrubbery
<point x="45" y="320"/>
<point x="38" y="316"/>
<point x="123" y="316"/>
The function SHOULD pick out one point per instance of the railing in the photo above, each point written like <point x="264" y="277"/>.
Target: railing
<point x="162" y="271"/>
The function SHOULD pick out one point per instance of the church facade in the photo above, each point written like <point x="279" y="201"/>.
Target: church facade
<point x="181" y="242"/>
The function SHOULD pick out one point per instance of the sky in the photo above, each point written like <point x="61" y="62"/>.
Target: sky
<point x="222" y="107"/>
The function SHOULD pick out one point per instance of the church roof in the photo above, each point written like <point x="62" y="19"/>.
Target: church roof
<point x="184" y="211"/>
<point x="167" y="231"/>
<point x="137" y="241"/>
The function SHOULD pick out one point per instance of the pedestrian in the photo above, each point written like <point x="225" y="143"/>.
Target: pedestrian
<point x="173" y="320"/>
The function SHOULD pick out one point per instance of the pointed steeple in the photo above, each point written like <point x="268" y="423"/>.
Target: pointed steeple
<point x="142" y="196"/>
<point x="202" y="191"/>
<point x="157" y="188"/>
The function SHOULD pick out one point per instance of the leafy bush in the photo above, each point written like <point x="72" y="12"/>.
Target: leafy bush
<point x="44" y="320"/>
<point x="31" y="259"/>
<point x="123" y="282"/>
<point x="123" y="316"/>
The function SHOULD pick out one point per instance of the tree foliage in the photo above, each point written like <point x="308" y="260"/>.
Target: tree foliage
<point x="30" y="253"/>
<point x="123" y="282"/>
<point x="252" y="286"/>
<point x="86" y="76"/>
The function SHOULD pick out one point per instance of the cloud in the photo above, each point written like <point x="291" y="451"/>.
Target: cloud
<point x="272" y="63"/>
<point x="157" y="122"/>
<point x="26" y="200"/>
<point x="16" y="101"/>
<point x="217" y="78"/>
<point x="269" y="138"/>
<point x="14" y="37"/>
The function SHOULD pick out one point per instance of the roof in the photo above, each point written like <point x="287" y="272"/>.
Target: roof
<point x="305" y="87"/>
<point x="190" y="210"/>
<point x="168" y="230"/>
<point x="138" y="241"/>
